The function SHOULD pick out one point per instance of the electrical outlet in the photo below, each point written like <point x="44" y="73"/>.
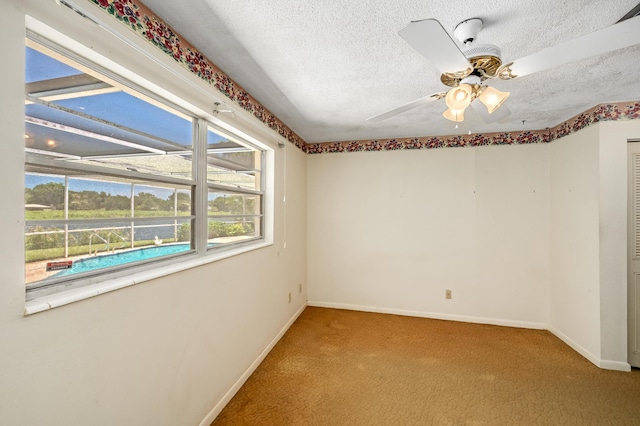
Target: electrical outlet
<point x="447" y="294"/>
<point x="300" y="288"/>
<point x="289" y="297"/>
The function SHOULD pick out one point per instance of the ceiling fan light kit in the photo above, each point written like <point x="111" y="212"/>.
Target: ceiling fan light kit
<point x="465" y="70"/>
<point x="460" y="97"/>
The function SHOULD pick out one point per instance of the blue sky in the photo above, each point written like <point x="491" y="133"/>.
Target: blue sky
<point x="42" y="67"/>
<point x="118" y="107"/>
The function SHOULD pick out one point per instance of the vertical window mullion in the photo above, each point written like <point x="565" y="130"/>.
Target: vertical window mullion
<point x="263" y="189"/>
<point x="201" y="191"/>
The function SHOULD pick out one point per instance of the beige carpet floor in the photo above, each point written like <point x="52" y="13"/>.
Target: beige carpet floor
<point x="338" y="367"/>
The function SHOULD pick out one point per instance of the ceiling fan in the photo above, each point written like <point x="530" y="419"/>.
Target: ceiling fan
<point x="466" y="71"/>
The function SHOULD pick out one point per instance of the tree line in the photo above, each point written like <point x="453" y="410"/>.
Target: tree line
<point x="52" y="194"/>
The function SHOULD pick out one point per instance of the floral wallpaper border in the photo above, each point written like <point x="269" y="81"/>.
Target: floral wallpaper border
<point x="602" y="112"/>
<point x="141" y="20"/>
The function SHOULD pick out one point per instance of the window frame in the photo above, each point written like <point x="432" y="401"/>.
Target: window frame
<point x="200" y="254"/>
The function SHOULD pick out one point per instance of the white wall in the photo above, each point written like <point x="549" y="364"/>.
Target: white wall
<point x="574" y="297"/>
<point x="588" y="258"/>
<point x="390" y="231"/>
<point x="162" y="352"/>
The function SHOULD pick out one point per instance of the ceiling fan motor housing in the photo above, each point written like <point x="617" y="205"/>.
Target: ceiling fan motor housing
<point x="482" y="50"/>
<point x="467" y="30"/>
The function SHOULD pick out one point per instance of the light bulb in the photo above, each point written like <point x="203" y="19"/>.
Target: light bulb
<point x="461" y="95"/>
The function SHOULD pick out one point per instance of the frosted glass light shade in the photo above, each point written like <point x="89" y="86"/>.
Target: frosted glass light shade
<point x="458" y="98"/>
<point x="454" y="115"/>
<point x="492" y="98"/>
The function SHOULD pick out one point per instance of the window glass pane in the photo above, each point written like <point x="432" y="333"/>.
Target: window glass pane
<point x="99" y="220"/>
<point x="98" y="197"/>
<point x="232" y="163"/>
<point x="42" y="67"/>
<point x="75" y="114"/>
<point x="167" y="125"/>
<point x="43" y="196"/>
<point x="97" y="246"/>
<point x="233" y="204"/>
<point x="233" y="217"/>
<point x="231" y="230"/>
<point x="156" y="200"/>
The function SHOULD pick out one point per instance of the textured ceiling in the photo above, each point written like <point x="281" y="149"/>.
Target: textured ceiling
<point x="324" y="67"/>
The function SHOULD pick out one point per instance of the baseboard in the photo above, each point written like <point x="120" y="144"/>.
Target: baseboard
<point x="210" y="417"/>
<point x="432" y="315"/>
<point x="596" y="360"/>
<point x="614" y="365"/>
<point x="575" y="346"/>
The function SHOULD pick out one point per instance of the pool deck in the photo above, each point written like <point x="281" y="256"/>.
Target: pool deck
<point x="36" y="271"/>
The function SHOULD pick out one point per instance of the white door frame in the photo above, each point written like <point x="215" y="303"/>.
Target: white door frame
<point x="633" y="253"/>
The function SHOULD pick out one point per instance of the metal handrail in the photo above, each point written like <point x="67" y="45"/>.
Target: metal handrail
<point x="99" y="237"/>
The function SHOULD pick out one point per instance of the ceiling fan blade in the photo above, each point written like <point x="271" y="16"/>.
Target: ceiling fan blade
<point x="411" y="105"/>
<point x="495" y="116"/>
<point x="617" y="36"/>
<point x="431" y="40"/>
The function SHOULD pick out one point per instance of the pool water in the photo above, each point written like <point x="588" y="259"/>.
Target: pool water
<point x="105" y="261"/>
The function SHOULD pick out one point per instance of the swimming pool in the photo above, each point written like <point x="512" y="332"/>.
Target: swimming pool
<point x="108" y="260"/>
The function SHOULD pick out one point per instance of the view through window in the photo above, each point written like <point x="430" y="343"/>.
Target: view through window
<point x="111" y="175"/>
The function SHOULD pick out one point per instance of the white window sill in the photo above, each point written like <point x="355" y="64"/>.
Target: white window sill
<point x="45" y="303"/>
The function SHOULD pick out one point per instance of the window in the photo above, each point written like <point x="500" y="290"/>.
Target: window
<point x="117" y="178"/>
